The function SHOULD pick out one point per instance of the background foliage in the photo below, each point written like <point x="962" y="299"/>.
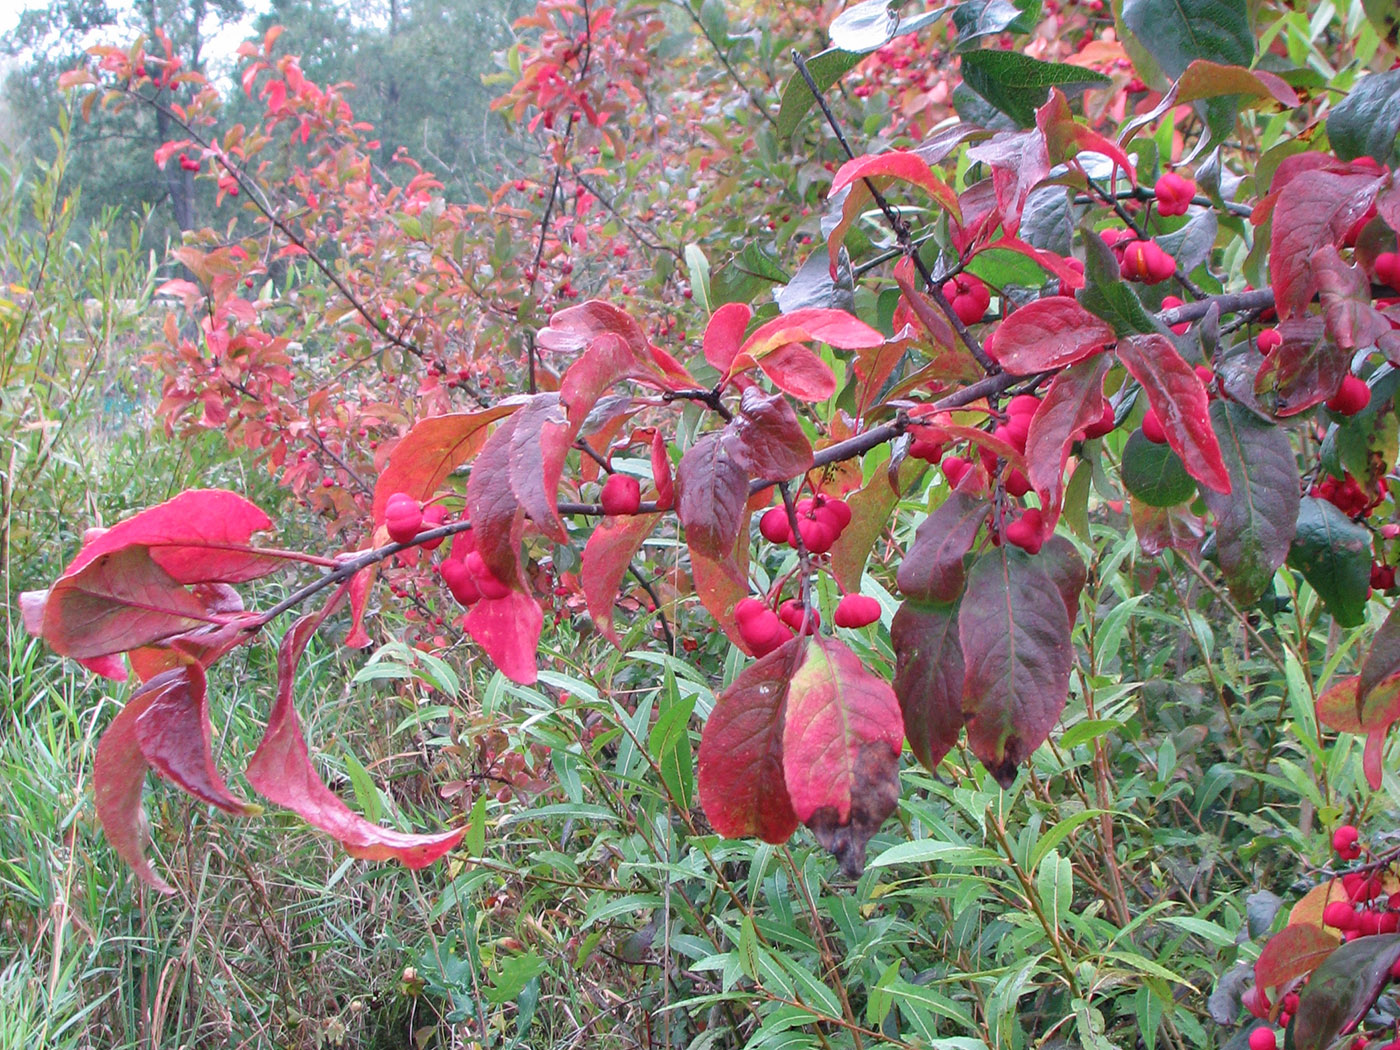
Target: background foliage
<point x="1117" y="894"/>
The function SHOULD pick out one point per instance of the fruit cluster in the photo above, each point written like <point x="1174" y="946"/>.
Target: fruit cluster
<point x="820" y="522"/>
<point x="764" y="630"/>
<point x="1347" y="495"/>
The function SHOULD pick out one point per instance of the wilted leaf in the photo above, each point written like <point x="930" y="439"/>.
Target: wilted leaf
<point x="841" y="741"/>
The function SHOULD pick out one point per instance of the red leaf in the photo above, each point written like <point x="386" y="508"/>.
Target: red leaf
<point x="724" y="334"/>
<point x="118" y="776"/>
<point x="661" y="472"/>
<point x="120" y="601"/>
<point x="539" y="443"/>
<point x="431" y="451"/>
<point x="766" y="437"/>
<point x="721" y="584"/>
<point x="1020" y="161"/>
<point x="174" y="736"/>
<point x="1053" y="264"/>
<point x="812" y="324"/>
<point x="1318" y="208"/>
<point x="740" y="765"/>
<point x="928" y="678"/>
<point x="577" y="330"/>
<point x="1291" y="953"/>
<point x="508" y="631"/>
<point x="1345" y="290"/>
<point x="713" y="489"/>
<point x="1015" y="635"/>
<point x="281" y="771"/>
<point x="932" y="569"/>
<point x="1066" y="138"/>
<point x="610" y="549"/>
<point x="1372" y="758"/>
<point x="496" y="516"/>
<point x="841" y="741"/>
<point x="1064" y="566"/>
<point x="798" y="371"/>
<point x="1162" y="528"/>
<point x="1072" y="403"/>
<point x="359" y="589"/>
<point x="1303" y="371"/>
<point x="1176" y="394"/>
<point x="190" y="537"/>
<point x="1046" y="334"/>
<point x="881" y="168"/>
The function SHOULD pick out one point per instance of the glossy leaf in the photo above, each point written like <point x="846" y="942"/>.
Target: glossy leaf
<point x="1334" y="555"/>
<point x="712" y="488"/>
<point x="928" y="678"/>
<point x="1256" y="520"/>
<point x="1342" y="990"/>
<point x="842" y="735"/>
<point x="1176" y="394"/>
<point x="1017" y="84"/>
<point x="1316" y="207"/>
<point x="826" y="67"/>
<point x="1015" y="634"/>
<point x="1176" y="32"/>
<point x="740" y="765"/>
<point x="1046" y="334"/>
<point x="871" y="24"/>
<point x="281" y="771"/>
<point x="1154" y="474"/>
<point x="1073" y="402"/>
<point x="1365" y="123"/>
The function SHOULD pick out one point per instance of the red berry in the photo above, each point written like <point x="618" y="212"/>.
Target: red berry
<point x="1263" y="1039"/>
<point x="1152" y="428"/>
<point x="1269" y="340"/>
<point x="622" y="494"/>
<point x="1346" y="840"/>
<point x="459" y="581"/>
<point x="1145" y="262"/>
<point x="1351" y="397"/>
<point x="763" y="632"/>
<point x="791" y="612"/>
<point x="403" y="517"/>
<point x="1174" y="194"/>
<point x="1382" y="576"/>
<point x="747" y="609"/>
<point x="835" y="512"/>
<point x="817" y="535"/>
<point x="485" y="580"/>
<point x="955" y="468"/>
<point x="1023" y="405"/>
<point x="774" y="525"/>
<point x="1340" y="915"/>
<point x="926" y="449"/>
<point x="969" y="297"/>
<point x="1388" y="269"/>
<point x="433" y="516"/>
<point x="1104" y="424"/>
<point x="1171" y="302"/>
<point x="856" y="610"/>
<point x="1027" y="531"/>
<point x="1015" y="431"/>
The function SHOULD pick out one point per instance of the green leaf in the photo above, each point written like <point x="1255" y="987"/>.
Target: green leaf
<point x="1107" y="295"/>
<point x="669" y="744"/>
<point x="1384" y="15"/>
<point x="516" y="971"/>
<point x="698" y="268"/>
<point x="979" y="18"/>
<point x="826" y="69"/>
<point x="1366" y="122"/>
<point x="1016" y="84"/>
<point x="1175" y="32"/>
<point x="1334" y="555"/>
<point x="1154" y="473"/>
<point x="745" y="277"/>
<point x="1255" y="521"/>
